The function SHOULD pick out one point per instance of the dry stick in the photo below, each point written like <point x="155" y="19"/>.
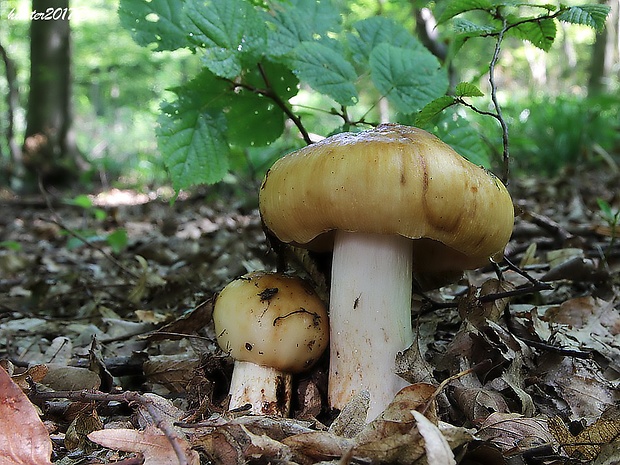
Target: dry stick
<point x="92" y="245"/>
<point x="483" y="365"/>
<point x="56" y="220"/>
<point x="547" y="224"/>
<point x="128" y="398"/>
<point x="536" y="285"/>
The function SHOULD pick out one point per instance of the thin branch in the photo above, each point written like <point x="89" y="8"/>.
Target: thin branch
<point x="98" y="248"/>
<point x="498" y="109"/>
<point x="56" y="220"/>
<point x="575" y="353"/>
<point x="271" y="94"/>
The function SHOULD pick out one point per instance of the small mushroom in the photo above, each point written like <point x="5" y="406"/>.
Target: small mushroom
<point x="273" y="325"/>
<point x="390" y="201"/>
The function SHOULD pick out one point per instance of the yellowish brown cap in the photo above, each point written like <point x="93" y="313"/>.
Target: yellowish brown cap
<point x="273" y="320"/>
<point x="393" y="179"/>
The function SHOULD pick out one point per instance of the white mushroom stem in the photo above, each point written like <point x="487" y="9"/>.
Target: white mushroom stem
<point x="370" y="317"/>
<point x="266" y="389"/>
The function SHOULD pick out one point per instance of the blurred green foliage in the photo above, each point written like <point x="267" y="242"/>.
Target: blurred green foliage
<point x="116" y="239"/>
<point x="334" y="64"/>
<point x="550" y="133"/>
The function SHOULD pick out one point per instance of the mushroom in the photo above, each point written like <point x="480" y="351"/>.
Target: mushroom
<point x="273" y="325"/>
<point x="389" y="201"/>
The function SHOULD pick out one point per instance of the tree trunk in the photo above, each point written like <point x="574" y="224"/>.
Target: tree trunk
<point x="426" y="31"/>
<point x="605" y="51"/>
<point x="49" y="151"/>
<point x="12" y="101"/>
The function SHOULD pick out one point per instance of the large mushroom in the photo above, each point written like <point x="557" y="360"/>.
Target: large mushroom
<point x="273" y="325"/>
<point x="390" y="201"/>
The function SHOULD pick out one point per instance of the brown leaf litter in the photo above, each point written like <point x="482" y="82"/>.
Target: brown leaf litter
<point x="117" y="353"/>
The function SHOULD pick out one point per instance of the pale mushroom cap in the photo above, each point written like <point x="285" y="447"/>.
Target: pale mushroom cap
<point x="272" y="320"/>
<point x="390" y="180"/>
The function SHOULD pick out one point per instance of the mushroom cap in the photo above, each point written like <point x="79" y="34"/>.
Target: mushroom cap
<point x="393" y="179"/>
<point x="273" y="320"/>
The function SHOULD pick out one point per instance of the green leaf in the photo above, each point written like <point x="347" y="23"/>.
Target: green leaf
<point x="193" y="144"/>
<point x="256" y="112"/>
<point x="99" y="213"/>
<point x="253" y="120"/>
<point x="471" y="29"/>
<point x="11" y="245"/>
<point x="155" y="22"/>
<point x="378" y="30"/>
<point x="594" y="16"/>
<point x="459" y="133"/>
<point x="431" y="110"/>
<point x="456" y="7"/>
<point x="540" y="32"/>
<point x="466" y="30"/>
<point x="222" y="62"/>
<point x="228" y="30"/>
<point x="327" y="71"/>
<point x="410" y="79"/>
<point x="297" y="21"/>
<point x="280" y="78"/>
<point x="80" y="200"/>
<point x="117" y="240"/>
<point x="605" y="208"/>
<point x="192" y="132"/>
<point x="467" y="89"/>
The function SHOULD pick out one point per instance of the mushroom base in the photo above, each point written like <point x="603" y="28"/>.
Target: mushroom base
<point x="370" y="317"/>
<point x="265" y="389"/>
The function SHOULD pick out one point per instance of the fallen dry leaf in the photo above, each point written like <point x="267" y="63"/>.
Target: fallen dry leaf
<point x="586" y="445"/>
<point x="34" y="373"/>
<point x="151" y="443"/>
<point x="24" y="439"/>
<point x="68" y="378"/>
<point x="86" y="421"/>
<point x="394" y="437"/>
<point x="515" y="434"/>
<point x="352" y="418"/>
<point x="438" y="451"/>
<point x="172" y="371"/>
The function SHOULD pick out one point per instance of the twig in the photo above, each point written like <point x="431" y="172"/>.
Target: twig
<point x="525" y="274"/>
<point x="547" y="224"/>
<point x="56" y="220"/>
<point x="558" y="350"/>
<point x="88" y="243"/>
<point x="498" y="109"/>
<point x="271" y="94"/>
<point x="486" y="364"/>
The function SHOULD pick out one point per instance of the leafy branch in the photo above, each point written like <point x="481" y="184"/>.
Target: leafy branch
<point x="539" y="30"/>
<point x="257" y="56"/>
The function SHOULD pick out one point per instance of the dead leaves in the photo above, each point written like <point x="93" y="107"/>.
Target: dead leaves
<point x="525" y="403"/>
<point x="585" y="443"/>
<point x="516" y="435"/>
<point x="24" y="439"/>
<point x="407" y="430"/>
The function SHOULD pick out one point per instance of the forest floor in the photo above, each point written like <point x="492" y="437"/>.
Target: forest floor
<point x="105" y="326"/>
